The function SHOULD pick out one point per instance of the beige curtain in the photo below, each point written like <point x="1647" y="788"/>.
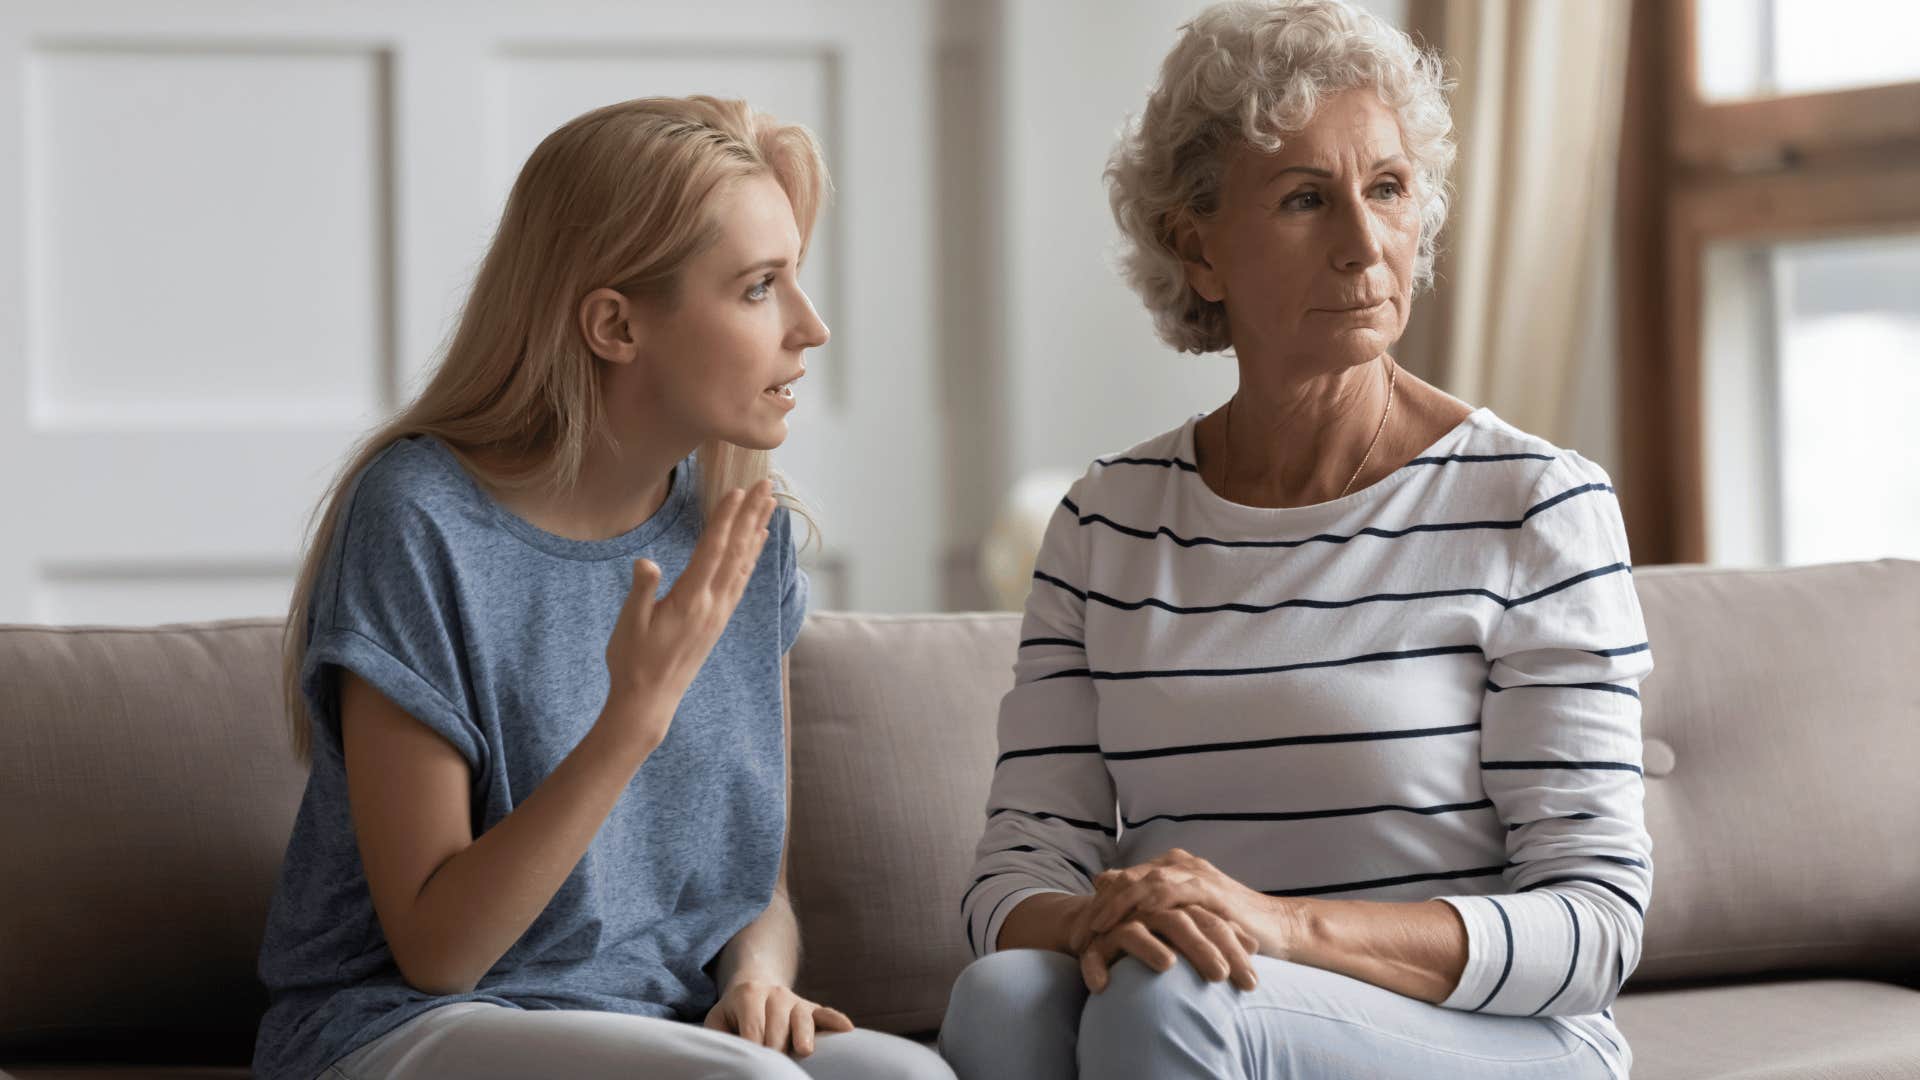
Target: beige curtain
<point x="1521" y="312"/>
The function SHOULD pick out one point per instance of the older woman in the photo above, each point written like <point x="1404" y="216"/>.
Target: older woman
<point x="1323" y="754"/>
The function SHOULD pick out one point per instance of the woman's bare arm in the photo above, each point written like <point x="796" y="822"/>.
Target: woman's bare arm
<point x="452" y="905"/>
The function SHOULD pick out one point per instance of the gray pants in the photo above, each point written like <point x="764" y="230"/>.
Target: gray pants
<point x="478" y="1041"/>
<point x="1025" y="1013"/>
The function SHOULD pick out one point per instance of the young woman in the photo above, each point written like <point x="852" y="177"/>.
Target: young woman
<point x="544" y="831"/>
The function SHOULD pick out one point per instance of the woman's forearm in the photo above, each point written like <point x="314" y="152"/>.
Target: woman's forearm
<point x="1041" y="921"/>
<point x="766" y="950"/>
<point x="480" y="901"/>
<point x="1418" y="949"/>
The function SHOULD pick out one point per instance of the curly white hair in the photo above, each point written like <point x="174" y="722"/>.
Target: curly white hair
<point x="1251" y="72"/>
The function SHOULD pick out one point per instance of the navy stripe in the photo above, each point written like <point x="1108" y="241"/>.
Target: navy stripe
<point x="1549" y="504"/>
<point x="1043" y="815"/>
<point x="1572" y="961"/>
<point x="983" y="878"/>
<point x="993" y="873"/>
<point x="1051" y="580"/>
<point x="1261" y="609"/>
<point x="996" y="910"/>
<point x="1442" y="460"/>
<point x="1289" y="740"/>
<point x="1623" y="650"/>
<point x="1432" y="459"/>
<point x="1053" y="640"/>
<point x="1330" y="538"/>
<point x="1381" y="883"/>
<point x="1165" y="463"/>
<point x="1307" y="815"/>
<point x="1582" y="816"/>
<point x="1043" y="751"/>
<point x="1619" y="765"/>
<point x="1618" y="860"/>
<point x="1607" y="885"/>
<point x="1608" y="687"/>
<point x="1068" y="673"/>
<point x="1603" y="571"/>
<point x="1508" y="969"/>
<point x="1067" y="501"/>
<point x="1368" y="658"/>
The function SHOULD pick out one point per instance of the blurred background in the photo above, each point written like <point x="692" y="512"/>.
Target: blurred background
<point x="233" y="236"/>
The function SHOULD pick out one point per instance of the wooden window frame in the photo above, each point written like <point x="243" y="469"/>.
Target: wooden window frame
<point x="1694" y="173"/>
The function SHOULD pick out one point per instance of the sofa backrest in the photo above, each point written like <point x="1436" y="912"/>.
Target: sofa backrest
<point x="146" y="794"/>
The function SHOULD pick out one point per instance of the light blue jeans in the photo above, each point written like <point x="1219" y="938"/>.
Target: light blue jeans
<point x="481" y="1041"/>
<point x="1025" y="1013"/>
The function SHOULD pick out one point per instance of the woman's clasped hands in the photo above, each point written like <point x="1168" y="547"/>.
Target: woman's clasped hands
<point x="1174" y="905"/>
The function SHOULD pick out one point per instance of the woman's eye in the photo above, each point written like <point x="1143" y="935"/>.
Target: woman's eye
<point x="1393" y="186"/>
<point x="759" y="291"/>
<point x="1300" y="201"/>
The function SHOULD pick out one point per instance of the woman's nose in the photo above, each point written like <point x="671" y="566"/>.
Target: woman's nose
<point x="1358" y="243"/>
<point x="811" y="331"/>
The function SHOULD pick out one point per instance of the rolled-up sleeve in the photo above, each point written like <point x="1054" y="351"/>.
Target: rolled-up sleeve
<point x="1050" y="812"/>
<point x="1560" y="759"/>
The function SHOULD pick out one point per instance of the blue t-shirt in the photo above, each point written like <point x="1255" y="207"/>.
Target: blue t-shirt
<point x="493" y="633"/>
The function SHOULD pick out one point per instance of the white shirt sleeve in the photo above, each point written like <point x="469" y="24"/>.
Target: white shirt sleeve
<point x="1050" y="812"/>
<point x="1560" y="759"/>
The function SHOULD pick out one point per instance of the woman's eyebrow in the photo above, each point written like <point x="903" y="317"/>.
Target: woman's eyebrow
<point x="1325" y="174"/>
<point x="763" y="264"/>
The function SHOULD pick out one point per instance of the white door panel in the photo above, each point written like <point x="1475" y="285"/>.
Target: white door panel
<point x="235" y="235"/>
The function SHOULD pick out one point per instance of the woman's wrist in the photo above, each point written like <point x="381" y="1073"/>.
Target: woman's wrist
<point x="1286" y="927"/>
<point x="1044" y="920"/>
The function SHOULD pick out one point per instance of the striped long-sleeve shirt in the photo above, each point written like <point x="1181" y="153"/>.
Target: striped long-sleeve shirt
<point x="1426" y="689"/>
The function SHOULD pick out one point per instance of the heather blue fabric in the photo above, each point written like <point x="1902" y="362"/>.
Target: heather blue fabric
<point x="493" y="633"/>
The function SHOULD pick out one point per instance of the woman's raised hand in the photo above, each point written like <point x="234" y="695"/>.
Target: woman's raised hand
<point x="658" y="646"/>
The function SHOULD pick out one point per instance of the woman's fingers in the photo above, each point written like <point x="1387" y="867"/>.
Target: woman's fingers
<point x="709" y="553"/>
<point x="779" y="1013"/>
<point x="1145" y="895"/>
<point x="1231" y="941"/>
<point x="750" y="537"/>
<point x="1179" y="929"/>
<point x="646" y="587"/>
<point x="752" y="1017"/>
<point x="803" y="1028"/>
<point x="828" y="1019"/>
<point x="1093" y="969"/>
<point x="1130" y="938"/>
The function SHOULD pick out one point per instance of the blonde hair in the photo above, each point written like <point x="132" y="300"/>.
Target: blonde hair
<point x="1251" y="72"/>
<point x="614" y="198"/>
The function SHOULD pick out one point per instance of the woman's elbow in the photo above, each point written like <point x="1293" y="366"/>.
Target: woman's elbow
<point x="427" y="970"/>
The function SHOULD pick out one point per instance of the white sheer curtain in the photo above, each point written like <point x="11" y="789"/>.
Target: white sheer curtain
<point x="1521" y="317"/>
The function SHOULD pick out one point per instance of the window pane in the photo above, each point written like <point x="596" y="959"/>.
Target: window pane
<point x="1767" y="48"/>
<point x="1812" y="365"/>
<point x="1848" y="329"/>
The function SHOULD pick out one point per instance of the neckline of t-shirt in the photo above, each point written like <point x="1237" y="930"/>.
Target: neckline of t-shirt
<point x="1333" y="508"/>
<point x="627" y="543"/>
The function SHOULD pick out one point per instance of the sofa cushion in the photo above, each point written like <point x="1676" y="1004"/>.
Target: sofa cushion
<point x="1782" y="722"/>
<point x="1827" y="1029"/>
<point x="146" y="796"/>
<point x="893" y="747"/>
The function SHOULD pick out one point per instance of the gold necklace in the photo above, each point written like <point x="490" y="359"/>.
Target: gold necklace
<point x="1226" y="459"/>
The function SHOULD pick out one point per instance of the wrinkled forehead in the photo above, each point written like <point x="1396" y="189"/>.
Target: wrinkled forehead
<point x="1351" y="130"/>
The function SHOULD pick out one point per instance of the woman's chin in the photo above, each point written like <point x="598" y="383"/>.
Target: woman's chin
<point x="762" y="436"/>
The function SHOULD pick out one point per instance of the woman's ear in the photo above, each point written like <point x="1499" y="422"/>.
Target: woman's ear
<point x="1189" y="242"/>
<point x="610" y="324"/>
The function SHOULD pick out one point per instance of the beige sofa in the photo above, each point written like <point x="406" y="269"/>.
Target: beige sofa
<point x="146" y="794"/>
